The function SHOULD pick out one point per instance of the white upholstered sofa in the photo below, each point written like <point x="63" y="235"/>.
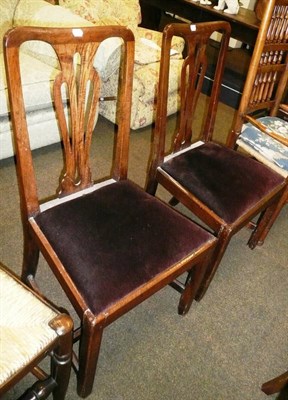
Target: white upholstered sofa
<point x="39" y="64"/>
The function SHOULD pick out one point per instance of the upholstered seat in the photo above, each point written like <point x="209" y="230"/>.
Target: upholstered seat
<point x="264" y="147"/>
<point x="106" y="226"/>
<point x="19" y="343"/>
<point x="29" y="330"/>
<point x="222" y="180"/>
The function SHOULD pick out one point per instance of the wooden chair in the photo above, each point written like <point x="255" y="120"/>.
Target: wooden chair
<point x="220" y="186"/>
<point x="31" y="330"/>
<point x="109" y="243"/>
<point x="261" y="114"/>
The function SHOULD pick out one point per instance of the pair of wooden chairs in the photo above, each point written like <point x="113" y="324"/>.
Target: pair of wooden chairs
<point x="109" y="243"/>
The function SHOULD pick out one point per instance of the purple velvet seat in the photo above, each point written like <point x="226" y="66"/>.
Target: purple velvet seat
<point x="116" y="239"/>
<point x="229" y="183"/>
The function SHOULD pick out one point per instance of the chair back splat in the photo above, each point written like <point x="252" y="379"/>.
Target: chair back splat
<point x="110" y="244"/>
<point x="223" y="188"/>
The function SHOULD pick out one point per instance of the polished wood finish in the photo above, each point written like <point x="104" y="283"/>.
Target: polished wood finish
<point x="199" y="177"/>
<point x="59" y="350"/>
<point x="114" y="251"/>
<point x="266" y="82"/>
<point x="276" y="385"/>
<point x="244" y="25"/>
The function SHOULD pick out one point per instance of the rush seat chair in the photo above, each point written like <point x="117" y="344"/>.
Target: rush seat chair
<point x="110" y="244"/>
<point x="222" y="187"/>
<point x="260" y="127"/>
<point x="31" y="331"/>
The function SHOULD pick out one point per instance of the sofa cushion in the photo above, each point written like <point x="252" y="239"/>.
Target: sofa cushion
<point x="148" y="46"/>
<point x="127" y="13"/>
<point x="149" y="75"/>
<point x="144" y="94"/>
<point x="7" y="8"/>
<point x="36" y="80"/>
<point x="41" y="13"/>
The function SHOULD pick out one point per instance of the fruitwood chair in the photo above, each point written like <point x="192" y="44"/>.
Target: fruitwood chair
<point x="30" y="331"/>
<point x="109" y="243"/>
<point x="222" y="187"/>
<point x="260" y="127"/>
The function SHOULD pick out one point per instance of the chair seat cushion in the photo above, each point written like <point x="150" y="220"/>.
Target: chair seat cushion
<point x="268" y="147"/>
<point x="117" y="238"/>
<point x="24" y="329"/>
<point x="228" y="182"/>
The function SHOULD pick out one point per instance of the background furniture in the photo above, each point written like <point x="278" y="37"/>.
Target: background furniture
<point x="110" y="244"/>
<point x="222" y="187"/>
<point x="244" y="25"/>
<point x="30" y="331"/>
<point x="40" y="113"/>
<point x="147" y="59"/>
<point x="265" y="89"/>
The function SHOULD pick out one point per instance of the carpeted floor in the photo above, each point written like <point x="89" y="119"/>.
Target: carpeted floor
<point x="224" y="349"/>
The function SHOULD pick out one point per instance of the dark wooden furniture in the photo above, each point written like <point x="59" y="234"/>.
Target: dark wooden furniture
<point x="222" y="187"/>
<point x="110" y="244"/>
<point x="31" y="330"/>
<point x="244" y="25"/>
<point x="276" y="385"/>
<point x="264" y="90"/>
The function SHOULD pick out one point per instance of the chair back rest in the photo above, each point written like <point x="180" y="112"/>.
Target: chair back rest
<point x="197" y="38"/>
<point x="267" y="76"/>
<point x="77" y="85"/>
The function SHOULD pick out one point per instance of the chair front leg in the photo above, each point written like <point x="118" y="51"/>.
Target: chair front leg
<point x="89" y="348"/>
<point x="266" y="221"/>
<point x="61" y="360"/>
<point x="192" y="284"/>
<point x="224" y="237"/>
